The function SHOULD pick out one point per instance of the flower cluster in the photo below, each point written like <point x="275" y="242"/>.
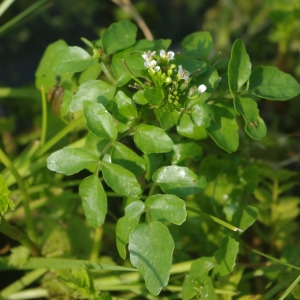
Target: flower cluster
<point x="164" y="73"/>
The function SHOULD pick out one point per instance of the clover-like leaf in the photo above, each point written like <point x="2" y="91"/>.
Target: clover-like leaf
<point x="180" y="181"/>
<point x="151" y="139"/>
<point x="99" y="121"/>
<point x="70" y="160"/>
<point x="151" y="248"/>
<point x="127" y="224"/>
<point x="94" y="200"/>
<point x="167" y="208"/>
<point x="121" y="180"/>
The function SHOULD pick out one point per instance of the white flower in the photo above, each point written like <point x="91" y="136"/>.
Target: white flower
<point x="202" y="88"/>
<point x="151" y="64"/>
<point x="183" y="74"/>
<point x="148" y="56"/>
<point x="168" y="56"/>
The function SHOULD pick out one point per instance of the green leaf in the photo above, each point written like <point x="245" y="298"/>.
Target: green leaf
<point x="99" y="120"/>
<point x="194" y="66"/>
<point x="71" y="60"/>
<point x="151" y="139"/>
<point x="127" y="224"/>
<point x="124" y="108"/>
<point x="198" y="44"/>
<point x="186" y="150"/>
<point x="226" y="256"/>
<point x="224" y="129"/>
<point x="151" y="248"/>
<point x="91" y="73"/>
<point x="154" y="95"/>
<point x="239" y="68"/>
<point x="197" y="276"/>
<point x="94" y="200"/>
<point x="133" y="59"/>
<point x="270" y="83"/>
<point x="124" y="156"/>
<point x="5" y="202"/>
<point x="166" y="118"/>
<point x="254" y="125"/>
<point x="167" y="208"/>
<point x="202" y="114"/>
<point x="121" y="180"/>
<point x="248" y="217"/>
<point x="70" y="161"/>
<point x="44" y="74"/>
<point x="180" y="181"/>
<point x="139" y="97"/>
<point x="118" y="36"/>
<point x="187" y="128"/>
<point x="97" y="91"/>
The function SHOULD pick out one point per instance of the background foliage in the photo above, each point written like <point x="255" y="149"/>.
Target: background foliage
<point x="271" y="32"/>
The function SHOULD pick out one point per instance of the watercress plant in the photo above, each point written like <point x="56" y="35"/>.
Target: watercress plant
<point x="147" y="116"/>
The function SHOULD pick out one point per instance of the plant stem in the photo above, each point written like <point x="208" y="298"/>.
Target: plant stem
<point x="44" y="116"/>
<point x="18" y="285"/>
<point x="96" y="244"/>
<point x="16" y="234"/>
<point x="214" y="219"/>
<point x="25" y="197"/>
<point x="59" y="136"/>
<point x="5" y="5"/>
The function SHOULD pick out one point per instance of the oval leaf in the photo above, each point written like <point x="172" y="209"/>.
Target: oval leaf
<point x="94" y="200"/>
<point x="70" y="161"/>
<point x="72" y="59"/>
<point x="180" y="181"/>
<point x="151" y="248"/>
<point x="271" y="83"/>
<point x="99" y="121"/>
<point x="167" y="208"/>
<point x="198" y="44"/>
<point x="151" y="139"/>
<point x="128" y="159"/>
<point x="119" y="36"/>
<point x="224" y="129"/>
<point x="127" y="224"/>
<point x="121" y="180"/>
<point x="239" y="68"/>
<point x="93" y="90"/>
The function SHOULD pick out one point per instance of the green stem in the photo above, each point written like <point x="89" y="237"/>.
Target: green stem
<point x="5" y="5"/>
<point x="131" y="74"/>
<point x="29" y="222"/>
<point x="59" y="136"/>
<point x="19" y="285"/>
<point x="16" y="234"/>
<point x="96" y="244"/>
<point x="214" y="219"/>
<point x="20" y="17"/>
<point x="107" y="74"/>
<point x="290" y="288"/>
<point x="44" y="116"/>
